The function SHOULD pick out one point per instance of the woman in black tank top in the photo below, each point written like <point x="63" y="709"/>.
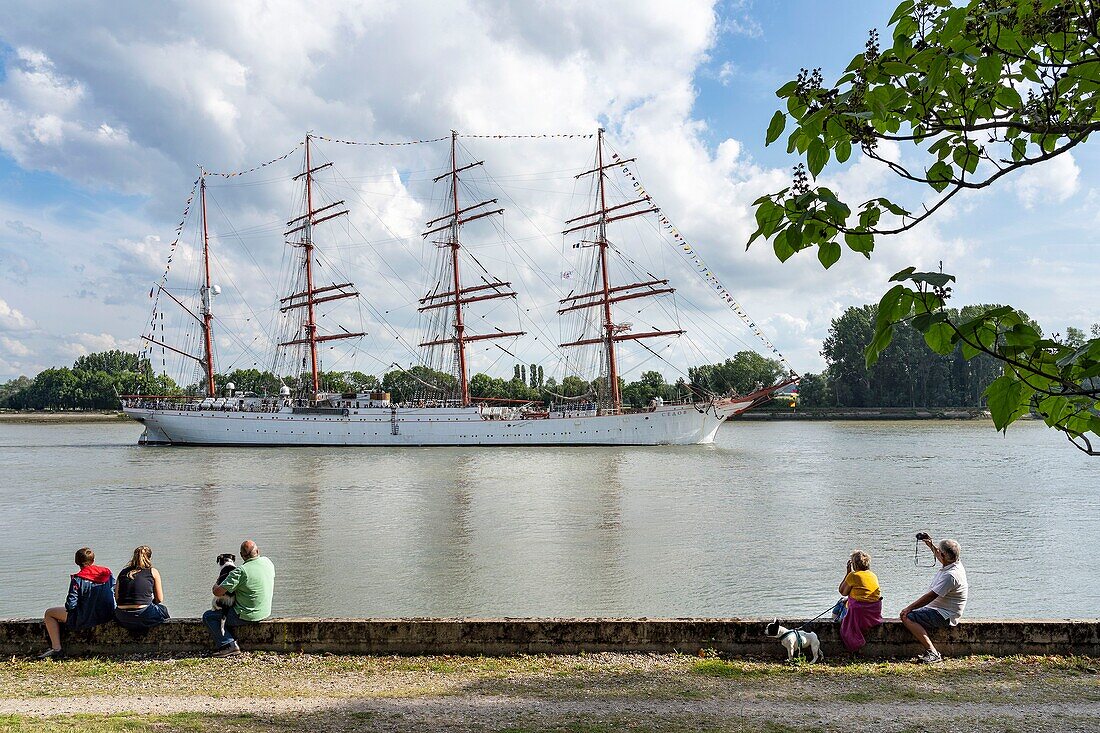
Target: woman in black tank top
<point x="139" y="594"/>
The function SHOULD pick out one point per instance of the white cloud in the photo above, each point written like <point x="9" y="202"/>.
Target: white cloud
<point x="12" y="319"/>
<point x="726" y="72"/>
<point x="13" y="347"/>
<point x="128" y="100"/>
<point x="82" y="344"/>
<point x="1054" y="181"/>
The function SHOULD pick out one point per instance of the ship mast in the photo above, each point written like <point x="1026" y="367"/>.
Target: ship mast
<point x="457" y="297"/>
<point x="207" y="296"/>
<point x="205" y="316"/>
<point x="598" y="219"/>
<point x="307" y="298"/>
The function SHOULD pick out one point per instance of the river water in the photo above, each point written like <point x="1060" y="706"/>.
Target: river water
<point x="760" y="523"/>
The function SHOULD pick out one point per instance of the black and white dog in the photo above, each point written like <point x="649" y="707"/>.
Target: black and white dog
<point x="795" y="641"/>
<point x="227" y="563"/>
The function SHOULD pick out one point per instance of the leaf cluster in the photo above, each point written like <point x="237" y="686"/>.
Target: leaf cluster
<point x="982" y="89"/>
<point x="1058" y="380"/>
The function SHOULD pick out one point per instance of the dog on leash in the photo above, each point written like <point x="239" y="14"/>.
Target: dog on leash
<point x="795" y="641"/>
<point x="227" y="563"/>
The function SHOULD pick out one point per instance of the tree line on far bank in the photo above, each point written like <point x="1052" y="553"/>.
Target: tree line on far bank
<point x="908" y="373"/>
<point x="95" y="381"/>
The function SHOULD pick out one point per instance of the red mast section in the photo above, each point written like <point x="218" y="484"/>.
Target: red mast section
<point x="307" y="298"/>
<point x="457" y="297"/>
<point x="603" y="298"/>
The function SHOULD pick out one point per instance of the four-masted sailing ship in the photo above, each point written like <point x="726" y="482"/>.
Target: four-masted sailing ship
<point x="312" y="416"/>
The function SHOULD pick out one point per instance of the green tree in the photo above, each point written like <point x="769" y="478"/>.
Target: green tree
<point x="981" y="89"/>
<point x="1075" y="337"/>
<point x="573" y="386"/>
<point x="843" y="349"/>
<point x="251" y="380"/>
<point x="419" y="383"/>
<point x="112" y="362"/>
<point x="362" y="382"/>
<point x="484" y="386"/>
<point x="907" y="373"/>
<point x="12" y="387"/>
<point x="813" y="391"/>
<point x="651" y="384"/>
<point x="746" y="372"/>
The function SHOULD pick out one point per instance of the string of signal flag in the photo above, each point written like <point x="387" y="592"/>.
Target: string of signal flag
<point x="701" y="267"/>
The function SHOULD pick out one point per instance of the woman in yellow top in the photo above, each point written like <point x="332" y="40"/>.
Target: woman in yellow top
<point x="864" y="612"/>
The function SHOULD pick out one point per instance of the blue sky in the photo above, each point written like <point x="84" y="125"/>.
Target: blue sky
<point x="105" y="111"/>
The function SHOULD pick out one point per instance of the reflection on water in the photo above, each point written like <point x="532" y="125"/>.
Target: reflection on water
<point x="759" y="523"/>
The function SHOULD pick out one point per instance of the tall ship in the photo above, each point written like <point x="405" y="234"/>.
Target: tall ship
<point x="456" y="323"/>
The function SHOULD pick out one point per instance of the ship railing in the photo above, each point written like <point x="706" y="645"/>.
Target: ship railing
<point x="574" y="407"/>
<point x="178" y="403"/>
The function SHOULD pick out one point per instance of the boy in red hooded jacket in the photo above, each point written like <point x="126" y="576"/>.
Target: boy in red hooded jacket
<point x="91" y="601"/>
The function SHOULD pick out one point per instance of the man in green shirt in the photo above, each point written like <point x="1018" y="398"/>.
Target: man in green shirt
<point x="252" y="585"/>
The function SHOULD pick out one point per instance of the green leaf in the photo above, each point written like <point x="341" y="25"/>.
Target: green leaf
<point x="895" y="68"/>
<point x="816" y="156"/>
<point x="903" y="274"/>
<point x="843" y="151"/>
<point x="939" y="338"/>
<point x="870" y="216"/>
<point x="828" y="253"/>
<point x="935" y="279"/>
<point x="901" y="11"/>
<point x="878" y="344"/>
<point x="787" y="89"/>
<point x="861" y="242"/>
<point x="989" y="67"/>
<point x="1008" y="98"/>
<point x="892" y="207"/>
<point x="1007" y="399"/>
<point x="782" y="250"/>
<point x="895" y="305"/>
<point x="939" y="175"/>
<point x="775" y="128"/>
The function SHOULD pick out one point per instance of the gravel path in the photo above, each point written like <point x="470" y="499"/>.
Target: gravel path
<point x="494" y="712"/>
<point x="606" y="693"/>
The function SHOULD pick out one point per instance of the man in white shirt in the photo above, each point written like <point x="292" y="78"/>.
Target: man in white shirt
<point x="943" y="604"/>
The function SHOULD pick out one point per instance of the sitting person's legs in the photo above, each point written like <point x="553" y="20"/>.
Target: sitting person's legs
<point x="221" y="622"/>
<point x="920" y="621"/>
<point x="215" y="623"/>
<point x="53" y="618"/>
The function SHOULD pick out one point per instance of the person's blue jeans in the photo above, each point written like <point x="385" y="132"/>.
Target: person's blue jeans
<point x="143" y="619"/>
<point x="221" y="622"/>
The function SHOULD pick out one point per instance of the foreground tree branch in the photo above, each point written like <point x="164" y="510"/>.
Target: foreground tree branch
<point x="982" y="90"/>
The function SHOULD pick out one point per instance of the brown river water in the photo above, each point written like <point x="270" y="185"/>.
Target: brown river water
<point x="759" y="523"/>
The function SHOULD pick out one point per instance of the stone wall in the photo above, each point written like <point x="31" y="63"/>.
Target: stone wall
<point x="495" y="637"/>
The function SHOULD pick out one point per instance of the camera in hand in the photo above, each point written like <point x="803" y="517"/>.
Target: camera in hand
<point x="923" y="536"/>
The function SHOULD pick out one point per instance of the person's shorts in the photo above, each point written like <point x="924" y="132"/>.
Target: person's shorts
<point x="929" y="618"/>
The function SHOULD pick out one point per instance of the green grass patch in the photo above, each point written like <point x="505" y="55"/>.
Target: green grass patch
<point x="132" y="723"/>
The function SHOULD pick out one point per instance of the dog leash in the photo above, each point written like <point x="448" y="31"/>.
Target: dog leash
<point x="815" y="618"/>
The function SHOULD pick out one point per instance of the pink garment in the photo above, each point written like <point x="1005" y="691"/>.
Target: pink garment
<point x="862" y="616"/>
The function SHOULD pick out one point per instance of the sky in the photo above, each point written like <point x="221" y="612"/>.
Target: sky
<point x="107" y="109"/>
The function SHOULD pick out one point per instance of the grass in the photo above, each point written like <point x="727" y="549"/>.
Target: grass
<point x="130" y="723"/>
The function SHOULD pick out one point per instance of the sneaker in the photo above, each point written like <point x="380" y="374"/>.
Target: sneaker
<point x="49" y="654"/>
<point x="226" y="651"/>
<point x="929" y="657"/>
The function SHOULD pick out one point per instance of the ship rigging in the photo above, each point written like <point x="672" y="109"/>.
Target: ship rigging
<point x="444" y="410"/>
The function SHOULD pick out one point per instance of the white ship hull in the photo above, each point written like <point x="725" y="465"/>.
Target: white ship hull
<point x="434" y="426"/>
